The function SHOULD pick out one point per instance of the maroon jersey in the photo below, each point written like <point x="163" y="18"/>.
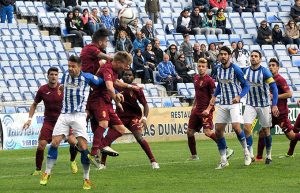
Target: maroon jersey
<point x="52" y="101"/>
<point x="204" y="88"/>
<point x="282" y="87"/>
<point x="89" y="58"/>
<point x="108" y="74"/>
<point x="130" y="105"/>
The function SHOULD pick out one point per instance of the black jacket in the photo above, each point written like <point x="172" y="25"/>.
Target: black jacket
<point x="138" y="63"/>
<point x="239" y="3"/>
<point x="71" y="3"/>
<point x="54" y="3"/>
<point x="263" y="33"/>
<point x="196" y="21"/>
<point x="69" y="25"/>
<point x="277" y="36"/>
<point x="295" y="11"/>
<point x="159" y="54"/>
<point x="253" y="2"/>
<point x="7" y="2"/>
<point x="148" y="34"/>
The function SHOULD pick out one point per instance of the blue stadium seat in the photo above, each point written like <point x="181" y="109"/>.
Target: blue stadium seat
<point x="234" y="38"/>
<point x="28" y="96"/>
<point x="272" y="17"/>
<point x="9" y="109"/>
<point x="211" y="39"/>
<point x="272" y="6"/>
<point x="296" y="61"/>
<point x="167" y="102"/>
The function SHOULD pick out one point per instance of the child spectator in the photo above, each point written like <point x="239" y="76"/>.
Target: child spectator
<point x="187" y="49"/>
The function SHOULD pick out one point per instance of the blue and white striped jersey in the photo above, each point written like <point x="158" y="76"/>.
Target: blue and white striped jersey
<point x="259" y="80"/>
<point x="76" y="91"/>
<point x="231" y="83"/>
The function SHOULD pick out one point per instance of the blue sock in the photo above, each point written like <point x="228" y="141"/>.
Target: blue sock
<point x="84" y="158"/>
<point x="222" y="148"/>
<point x="268" y="140"/>
<point x="242" y="138"/>
<point x="52" y="153"/>
<point x="249" y="140"/>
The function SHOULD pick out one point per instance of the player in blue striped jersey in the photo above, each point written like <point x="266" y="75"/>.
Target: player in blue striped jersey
<point x="75" y="84"/>
<point x="258" y="102"/>
<point x="231" y="87"/>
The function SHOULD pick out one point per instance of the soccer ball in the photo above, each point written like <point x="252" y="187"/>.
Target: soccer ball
<point x="127" y="16"/>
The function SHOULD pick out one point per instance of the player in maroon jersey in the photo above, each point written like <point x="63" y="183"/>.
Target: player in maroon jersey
<point x="132" y="117"/>
<point x="100" y="106"/>
<point x="284" y="92"/>
<point x="52" y="99"/>
<point x="202" y="111"/>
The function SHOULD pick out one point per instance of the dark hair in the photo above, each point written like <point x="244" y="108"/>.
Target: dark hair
<point x="52" y="69"/>
<point x="85" y="10"/>
<point x="212" y="44"/>
<point x="274" y="60"/>
<point x="75" y="59"/>
<point x="219" y="10"/>
<point x="236" y="50"/>
<point x="257" y="52"/>
<point x="226" y="49"/>
<point x="100" y="34"/>
<point x="137" y="50"/>
<point x="69" y="12"/>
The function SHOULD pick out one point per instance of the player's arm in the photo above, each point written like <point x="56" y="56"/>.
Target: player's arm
<point x="141" y="98"/>
<point x="286" y="89"/>
<point x="104" y="56"/>
<point x="31" y="113"/>
<point x="244" y="84"/>
<point x="117" y="97"/>
<point x="212" y="89"/>
<point x="93" y="79"/>
<point x="121" y="84"/>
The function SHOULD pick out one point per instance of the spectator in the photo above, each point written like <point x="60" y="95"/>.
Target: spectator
<point x="210" y="23"/>
<point x="124" y="27"/>
<point x="150" y="57"/>
<point x="124" y="43"/>
<point x="196" y="22"/>
<point x="215" y="5"/>
<point x="241" y="56"/>
<point x="152" y="8"/>
<point x="78" y="21"/>
<point x="200" y="52"/>
<point x="239" y="5"/>
<point x="56" y="6"/>
<point x="264" y="34"/>
<point x="139" y="64"/>
<point x="94" y="21"/>
<point x="148" y="30"/>
<point x="233" y="46"/>
<point x="168" y="74"/>
<point x="292" y="33"/>
<point x="73" y="4"/>
<point x="295" y="11"/>
<point x="72" y="29"/>
<point x="221" y="22"/>
<point x="85" y="20"/>
<point x="277" y="35"/>
<point x="140" y="41"/>
<point x="134" y="26"/>
<point x="7" y="10"/>
<point x="183" y="22"/>
<point x="173" y="53"/>
<point x="187" y="49"/>
<point x="158" y="51"/>
<point x="213" y="55"/>
<point x="182" y="68"/>
<point x="121" y="4"/>
<point x="253" y="6"/>
<point x="106" y="19"/>
<point x="202" y="4"/>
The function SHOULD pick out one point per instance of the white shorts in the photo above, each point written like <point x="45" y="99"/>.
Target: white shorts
<point x="229" y="113"/>
<point x="263" y="114"/>
<point x="76" y="121"/>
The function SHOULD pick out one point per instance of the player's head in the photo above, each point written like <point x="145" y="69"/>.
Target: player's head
<point x="225" y="55"/>
<point x="255" y="58"/>
<point x="274" y="66"/>
<point x="74" y="65"/>
<point x="52" y="75"/>
<point x="100" y="38"/>
<point x="122" y="61"/>
<point x="202" y="66"/>
<point x="128" y="76"/>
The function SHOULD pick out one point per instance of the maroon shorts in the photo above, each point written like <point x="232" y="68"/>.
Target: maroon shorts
<point x="103" y="111"/>
<point x="47" y="130"/>
<point x="132" y="123"/>
<point x="283" y="122"/>
<point x="197" y="121"/>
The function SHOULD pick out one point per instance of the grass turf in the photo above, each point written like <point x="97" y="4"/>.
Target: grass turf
<point x="131" y="172"/>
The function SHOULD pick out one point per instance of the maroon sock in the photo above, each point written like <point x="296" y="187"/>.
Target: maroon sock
<point x="192" y="145"/>
<point x="97" y="140"/>
<point x="103" y="159"/>
<point x="213" y="137"/>
<point x="111" y="136"/>
<point x="144" y="144"/>
<point x="260" y="147"/>
<point x="39" y="157"/>
<point x="293" y="144"/>
<point x="73" y="152"/>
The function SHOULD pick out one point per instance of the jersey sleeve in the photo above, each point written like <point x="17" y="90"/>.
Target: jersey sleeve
<point x="240" y="77"/>
<point x="267" y="76"/>
<point x="212" y="86"/>
<point x="282" y="84"/>
<point x="141" y="97"/>
<point x="93" y="79"/>
<point x="38" y="97"/>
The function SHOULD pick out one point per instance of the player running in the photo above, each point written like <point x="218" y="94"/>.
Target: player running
<point x="202" y="111"/>
<point x="132" y="117"/>
<point x="75" y="84"/>
<point x="232" y="86"/>
<point x="258" y="104"/>
<point x="284" y="92"/>
<point x="52" y="99"/>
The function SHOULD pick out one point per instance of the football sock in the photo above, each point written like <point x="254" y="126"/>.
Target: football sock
<point x="51" y="159"/>
<point x="144" y="144"/>
<point x="73" y="152"/>
<point x="293" y="144"/>
<point x="103" y="159"/>
<point x="260" y="147"/>
<point x="192" y="145"/>
<point x="242" y="138"/>
<point x="222" y="148"/>
<point x="268" y="145"/>
<point x="111" y="136"/>
<point x="98" y="137"/>
<point x="249" y="144"/>
<point x="85" y="164"/>
<point x="39" y="157"/>
<point x="213" y="137"/>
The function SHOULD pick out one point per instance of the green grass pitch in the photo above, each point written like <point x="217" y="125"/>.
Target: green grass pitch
<point x="131" y="171"/>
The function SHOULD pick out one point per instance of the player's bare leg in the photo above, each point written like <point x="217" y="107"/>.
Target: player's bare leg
<point x="192" y="144"/>
<point x="221" y="143"/>
<point x="39" y="157"/>
<point x="249" y="139"/>
<point x="73" y="153"/>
